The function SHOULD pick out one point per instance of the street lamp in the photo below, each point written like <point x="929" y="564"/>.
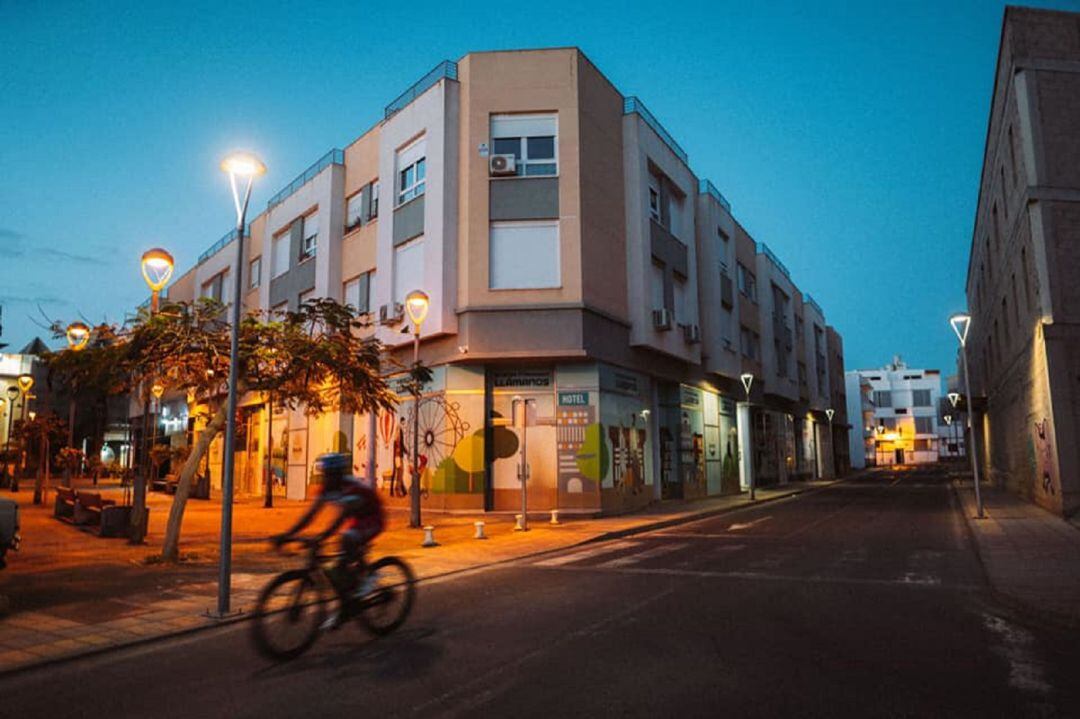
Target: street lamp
<point x="78" y="335"/>
<point x="242" y="169"/>
<point x="961" y="323"/>
<point x="954" y="397"/>
<point x="742" y="422"/>
<point x="416" y="304"/>
<point x="157" y="268"/>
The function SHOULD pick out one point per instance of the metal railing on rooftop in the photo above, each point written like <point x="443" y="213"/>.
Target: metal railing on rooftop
<point x="763" y="249"/>
<point x="707" y="188"/>
<point x="220" y="244"/>
<point x="808" y="300"/>
<point x="333" y="157"/>
<point x="632" y="104"/>
<point x="445" y="69"/>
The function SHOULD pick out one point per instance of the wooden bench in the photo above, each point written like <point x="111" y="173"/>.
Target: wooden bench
<point x="64" y="507"/>
<point x="200" y="486"/>
<point x="89" y="507"/>
<point x="165" y="484"/>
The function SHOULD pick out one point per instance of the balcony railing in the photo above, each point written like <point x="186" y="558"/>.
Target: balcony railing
<point x="333" y="157"/>
<point x="808" y="300"/>
<point x="763" y="249"/>
<point x="632" y="104"/>
<point x="707" y="188"/>
<point x="220" y="244"/>
<point x="445" y="69"/>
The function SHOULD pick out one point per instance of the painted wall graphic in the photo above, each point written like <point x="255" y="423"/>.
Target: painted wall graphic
<point x="1044" y="458"/>
<point x="578" y="472"/>
<point x="628" y="455"/>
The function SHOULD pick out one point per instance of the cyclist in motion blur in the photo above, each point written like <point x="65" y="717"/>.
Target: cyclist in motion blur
<point x="360" y="512"/>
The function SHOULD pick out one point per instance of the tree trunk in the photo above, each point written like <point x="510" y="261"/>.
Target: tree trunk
<point x="170" y="550"/>
<point x="269" y="500"/>
<point x="39" y="474"/>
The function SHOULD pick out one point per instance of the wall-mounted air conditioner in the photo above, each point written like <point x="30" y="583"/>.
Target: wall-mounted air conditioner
<point x="502" y="165"/>
<point x="661" y="319"/>
<point x="391" y="314"/>
<point x="692" y="334"/>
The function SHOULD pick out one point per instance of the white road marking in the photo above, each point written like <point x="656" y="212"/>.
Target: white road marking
<point x="596" y="551"/>
<point x="746" y="525"/>
<point x="639" y="556"/>
<point x="1025" y="669"/>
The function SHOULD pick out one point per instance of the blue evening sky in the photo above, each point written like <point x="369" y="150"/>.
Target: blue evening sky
<point x="847" y="136"/>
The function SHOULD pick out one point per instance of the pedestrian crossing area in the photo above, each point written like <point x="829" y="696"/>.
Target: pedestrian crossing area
<point x="678" y="556"/>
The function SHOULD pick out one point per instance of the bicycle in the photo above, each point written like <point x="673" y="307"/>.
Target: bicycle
<point x="295" y="601"/>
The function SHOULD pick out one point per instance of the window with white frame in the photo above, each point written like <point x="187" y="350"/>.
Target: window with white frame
<point x="524" y="255"/>
<point x="374" y="200"/>
<point x="310" y="236"/>
<point x="214" y="288"/>
<point x="920" y="398"/>
<point x="654" y="197"/>
<point x="531" y="139"/>
<point x="412" y="171"/>
<point x="924" y="425"/>
<point x="882" y="398"/>
<point x="279" y="254"/>
<point x="357" y="292"/>
<point x="408" y="268"/>
<point x="354" y="210"/>
<point x="255" y="273"/>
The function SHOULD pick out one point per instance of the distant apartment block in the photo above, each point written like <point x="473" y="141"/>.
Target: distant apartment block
<point x="572" y="257"/>
<point x="1022" y="288"/>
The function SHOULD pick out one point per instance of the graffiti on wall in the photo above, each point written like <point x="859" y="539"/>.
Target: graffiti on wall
<point x="579" y="454"/>
<point x="1044" y="457"/>
<point x="628" y="455"/>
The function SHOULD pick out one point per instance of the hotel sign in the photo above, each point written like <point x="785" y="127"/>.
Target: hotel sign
<point x="573" y="399"/>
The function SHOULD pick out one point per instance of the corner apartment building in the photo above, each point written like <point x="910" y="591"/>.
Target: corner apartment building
<point x="1022" y="293"/>
<point x="573" y="258"/>
<point x="899" y="409"/>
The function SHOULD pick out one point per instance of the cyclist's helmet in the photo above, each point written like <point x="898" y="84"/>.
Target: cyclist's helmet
<point x="333" y="466"/>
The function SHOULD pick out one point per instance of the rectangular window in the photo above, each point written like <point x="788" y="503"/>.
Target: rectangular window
<point x="279" y="259"/>
<point x="305" y="296"/>
<point x="412" y="171"/>
<point x="656" y="285"/>
<point x="310" y="242"/>
<point x="749" y="343"/>
<point x="255" y="273"/>
<point x="408" y="268"/>
<point x="654" y="197"/>
<point x="531" y="139"/>
<point x="357" y="292"/>
<point x="374" y="210"/>
<point x="922" y="445"/>
<point x="747" y="282"/>
<point x="354" y="211"/>
<point x="214" y="288"/>
<point x="924" y="425"/>
<point x="920" y="398"/>
<point x="524" y="255"/>
<point x="882" y="398"/>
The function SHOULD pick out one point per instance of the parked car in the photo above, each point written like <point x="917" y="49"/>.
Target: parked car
<point x="9" y="528"/>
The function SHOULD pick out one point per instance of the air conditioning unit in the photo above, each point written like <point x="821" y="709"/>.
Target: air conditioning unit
<point x="391" y="314"/>
<point x="502" y="165"/>
<point x="661" y="319"/>
<point x="692" y="334"/>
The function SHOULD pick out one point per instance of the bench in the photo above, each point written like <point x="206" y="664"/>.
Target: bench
<point x="64" y="506"/>
<point x="165" y="484"/>
<point x="200" y="486"/>
<point x="89" y="507"/>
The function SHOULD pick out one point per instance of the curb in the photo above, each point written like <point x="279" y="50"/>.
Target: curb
<point x="606" y="536"/>
<point x="1023" y="609"/>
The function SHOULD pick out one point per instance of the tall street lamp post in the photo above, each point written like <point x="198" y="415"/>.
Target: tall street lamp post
<point x="742" y="421"/>
<point x="954" y="397"/>
<point x="78" y="336"/>
<point x="416" y="304"/>
<point x="961" y="323"/>
<point x="242" y="169"/>
<point x="157" y="269"/>
<point x="832" y="450"/>
<point x="948" y="422"/>
<point x="25" y="382"/>
<point x="12" y="395"/>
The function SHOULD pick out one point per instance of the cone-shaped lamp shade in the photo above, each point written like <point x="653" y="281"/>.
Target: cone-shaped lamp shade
<point x="78" y="335"/>
<point x="416" y="304"/>
<point x="961" y="323"/>
<point x="157" y="268"/>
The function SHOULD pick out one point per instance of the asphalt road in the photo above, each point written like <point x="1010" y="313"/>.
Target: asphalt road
<point x="863" y="599"/>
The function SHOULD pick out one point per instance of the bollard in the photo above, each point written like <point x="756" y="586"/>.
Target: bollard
<point x="554" y="516"/>
<point x="429" y="537"/>
<point x="479" y="530"/>
<point x="520" y="526"/>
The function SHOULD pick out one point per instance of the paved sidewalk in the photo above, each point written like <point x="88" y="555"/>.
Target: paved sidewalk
<point x="1031" y="557"/>
<point x="72" y="594"/>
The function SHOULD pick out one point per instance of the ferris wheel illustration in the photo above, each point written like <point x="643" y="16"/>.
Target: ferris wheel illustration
<point x="441" y="428"/>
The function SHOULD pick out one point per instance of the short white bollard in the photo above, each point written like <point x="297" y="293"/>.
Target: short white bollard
<point x="479" y="531"/>
<point x="554" y="516"/>
<point x="429" y="537"/>
<point x="520" y="525"/>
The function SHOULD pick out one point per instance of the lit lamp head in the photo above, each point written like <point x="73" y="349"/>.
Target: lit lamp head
<point x="244" y="165"/>
<point x="829" y="413"/>
<point x="12" y="392"/>
<point x="78" y="335"/>
<point x="32" y="415"/>
<point x="25" y="383"/>
<point x="747" y="380"/>
<point x="157" y="268"/>
<point x="157" y="390"/>
<point x="416" y="304"/>
<point x="948" y="419"/>
<point x="961" y="323"/>
<point x="954" y="397"/>
<point x="880" y="429"/>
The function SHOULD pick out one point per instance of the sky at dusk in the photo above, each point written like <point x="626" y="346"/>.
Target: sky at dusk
<point x="847" y="136"/>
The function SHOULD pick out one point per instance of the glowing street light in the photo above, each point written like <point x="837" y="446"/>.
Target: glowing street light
<point x="954" y="397"/>
<point x="242" y="169"/>
<point x="78" y="335"/>
<point x="961" y="324"/>
<point x="829" y="413"/>
<point x="157" y="269"/>
<point x="742" y="423"/>
<point x="157" y="390"/>
<point x="25" y="383"/>
<point x="948" y="419"/>
<point x="416" y="304"/>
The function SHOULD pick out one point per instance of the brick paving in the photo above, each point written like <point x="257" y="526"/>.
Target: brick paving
<point x="71" y="593"/>
<point x="1031" y="557"/>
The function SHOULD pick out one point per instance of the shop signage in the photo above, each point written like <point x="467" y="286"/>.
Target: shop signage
<point x="727" y="407"/>
<point x="626" y="383"/>
<point x="521" y="380"/>
<point x="690" y="397"/>
<point x="573" y="399"/>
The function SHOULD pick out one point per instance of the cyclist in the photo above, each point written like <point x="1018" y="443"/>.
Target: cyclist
<point x="360" y="512"/>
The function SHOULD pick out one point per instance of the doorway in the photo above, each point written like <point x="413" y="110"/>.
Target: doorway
<point x="899" y="455"/>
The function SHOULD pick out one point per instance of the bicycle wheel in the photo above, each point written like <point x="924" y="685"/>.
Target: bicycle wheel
<point x="388" y="604"/>
<point x="288" y="616"/>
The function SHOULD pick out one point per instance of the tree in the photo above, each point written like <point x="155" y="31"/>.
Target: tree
<point x="39" y="434"/>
